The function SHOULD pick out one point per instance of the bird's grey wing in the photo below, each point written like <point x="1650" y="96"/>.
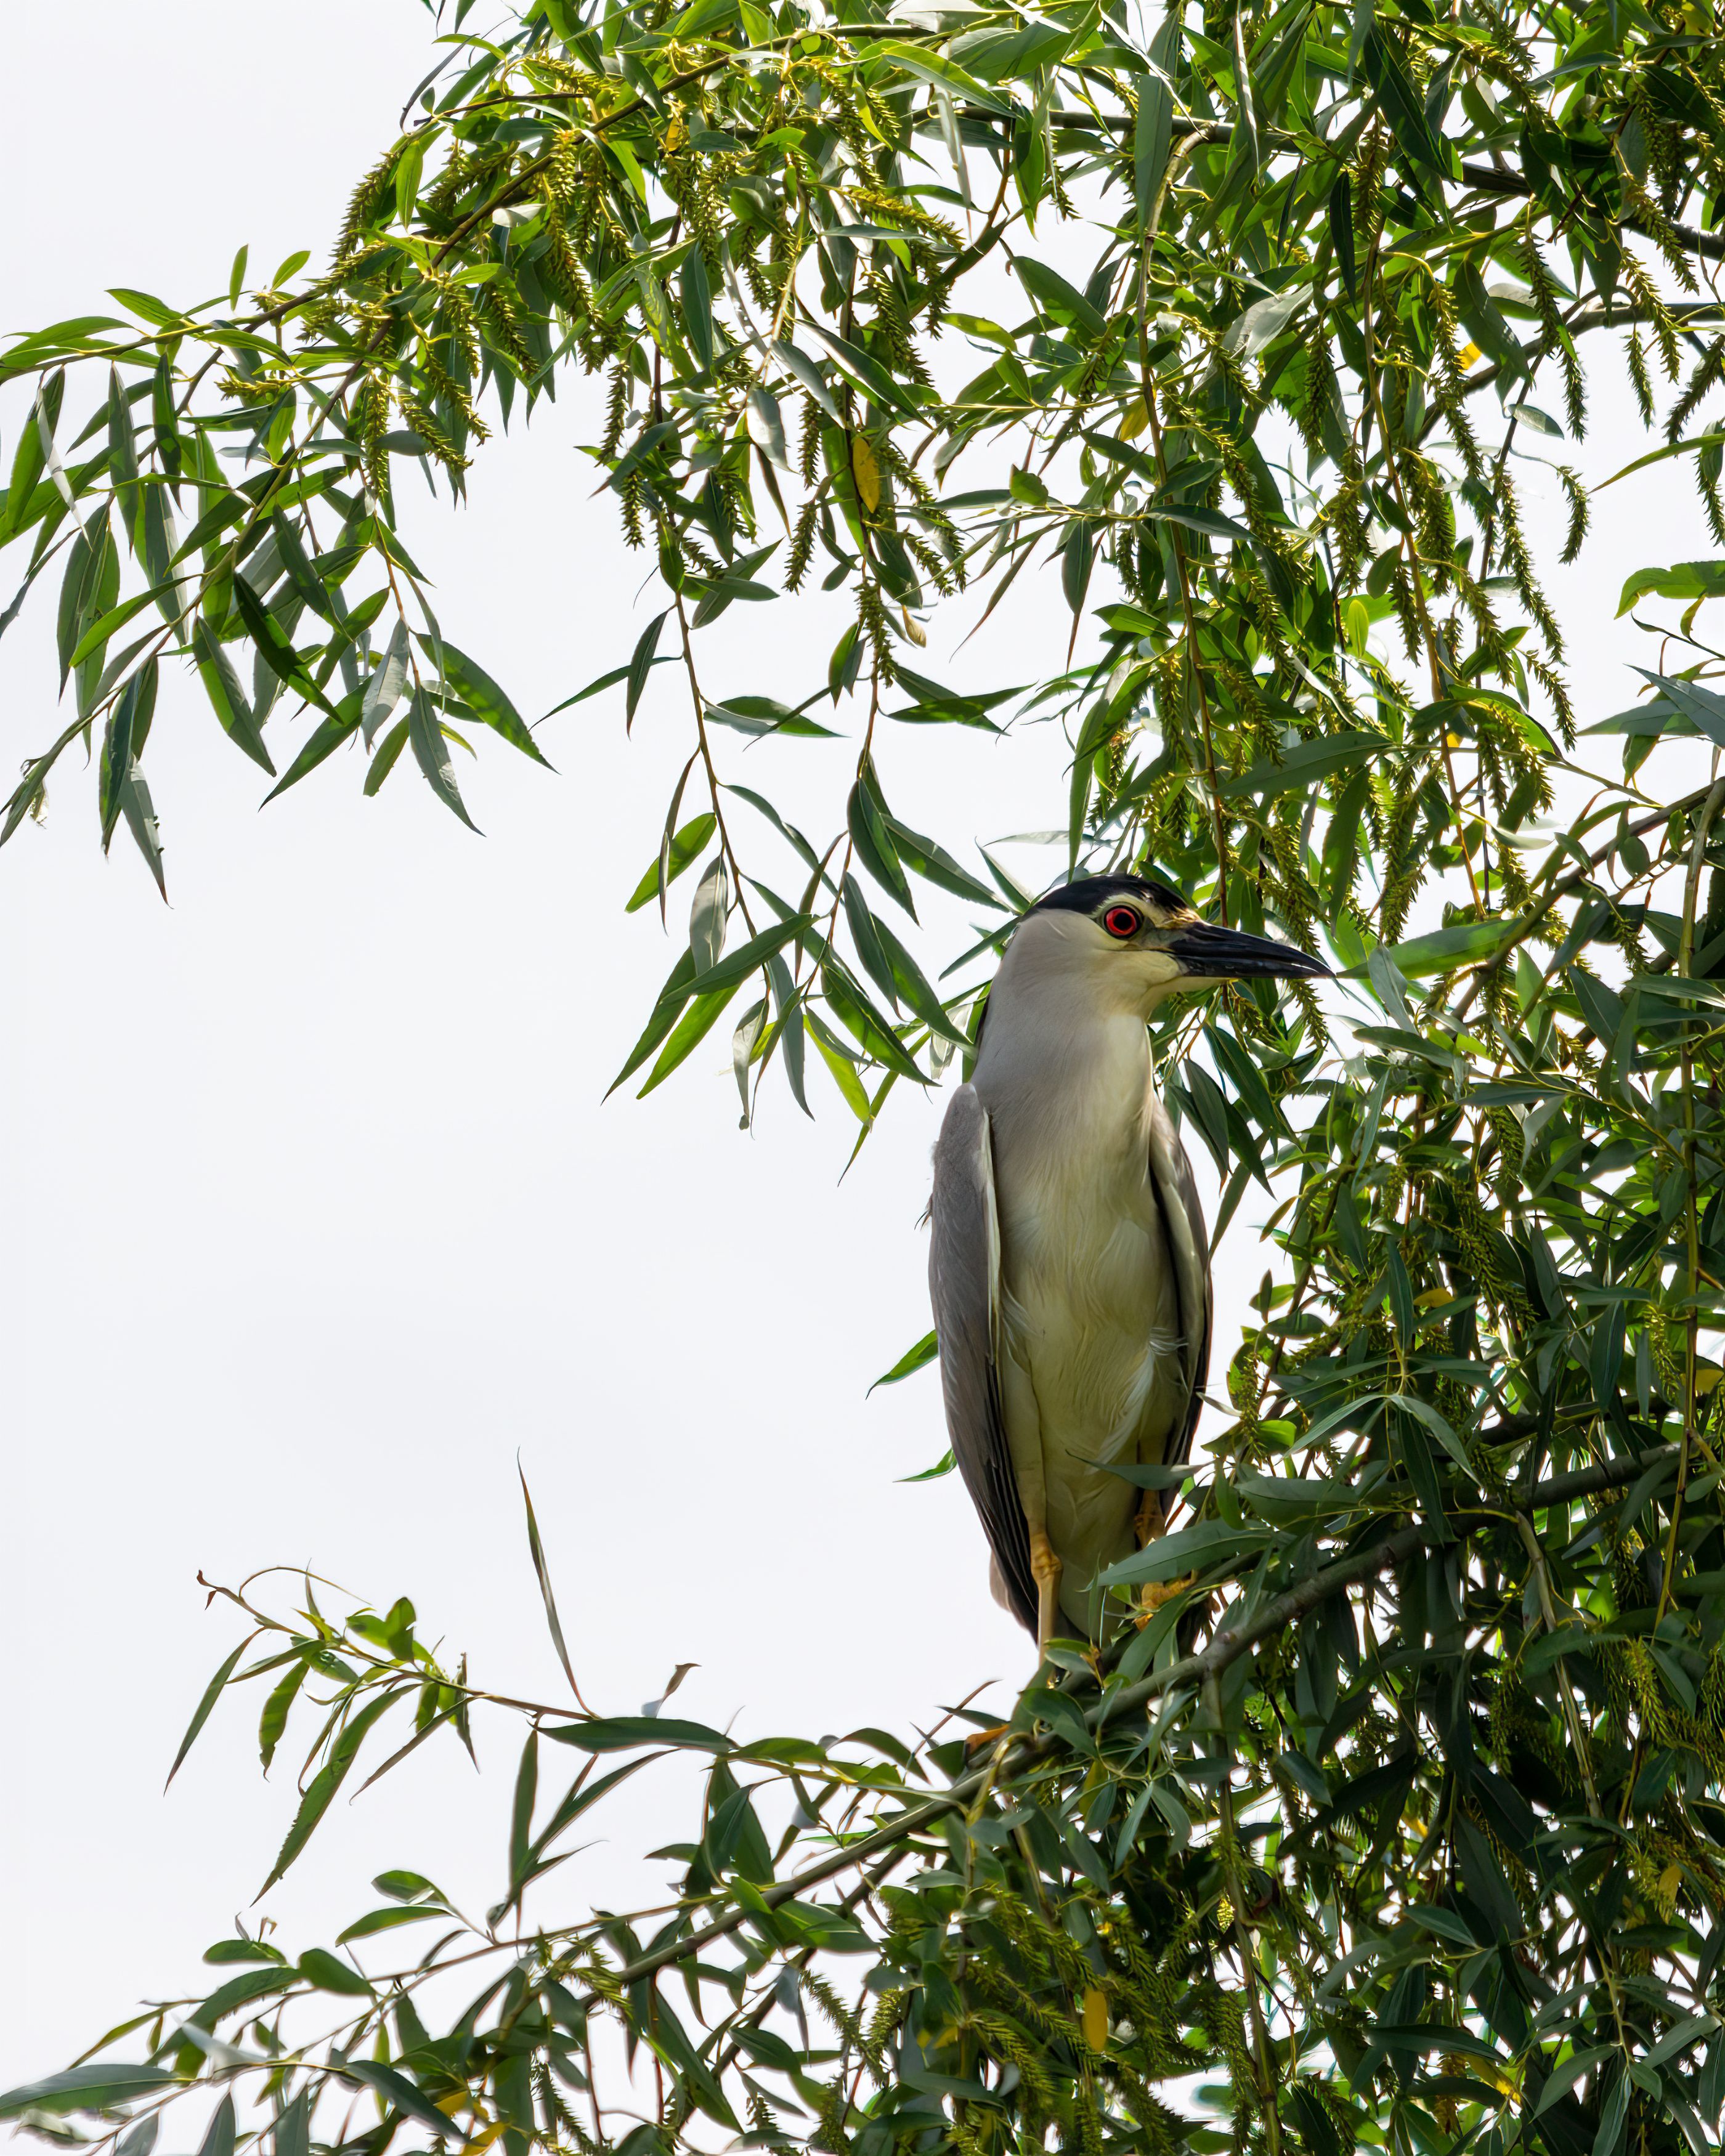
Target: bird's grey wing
<point x="1189" y="1247"/>
<point x="964" y="1287"/>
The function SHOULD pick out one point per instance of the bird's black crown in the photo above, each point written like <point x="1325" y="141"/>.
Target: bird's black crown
<point x="1089" y="894"/>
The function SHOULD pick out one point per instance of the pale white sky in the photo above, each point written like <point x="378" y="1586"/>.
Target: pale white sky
<point x="315" y="1218"/>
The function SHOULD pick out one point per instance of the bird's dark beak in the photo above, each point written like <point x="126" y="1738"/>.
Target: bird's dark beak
<point x="1209" y="953"/>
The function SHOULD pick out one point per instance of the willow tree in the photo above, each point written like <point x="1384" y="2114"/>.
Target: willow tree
<point x="1404" y="1821"/>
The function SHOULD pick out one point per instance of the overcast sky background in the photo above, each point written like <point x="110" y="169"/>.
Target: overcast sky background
<point x="315" y="1219"/>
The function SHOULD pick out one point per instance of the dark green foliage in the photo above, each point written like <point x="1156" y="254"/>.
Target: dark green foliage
<point x="1419" y="1842"/>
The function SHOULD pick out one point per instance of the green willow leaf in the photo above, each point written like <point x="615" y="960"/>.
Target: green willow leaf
<point x="383" y="761"/>
<point x="329" y="1972"/>
<point x="483" y="699"/>
<point x="736" y="967"/>
<point x="321" y="1790"/>
<point x="913" y="1360"/>
<point x="687" y="847"/>
<point x="690" y="1029"/>
<point x="205" y="1707"/>
<point x="627" y="1732"/>
<point x="227" y="698"/>
<point x="400" y="2095"/>
<point x="326" y="737"/>
<point x="430" y="745"/>
<point x="84" y="2088"/>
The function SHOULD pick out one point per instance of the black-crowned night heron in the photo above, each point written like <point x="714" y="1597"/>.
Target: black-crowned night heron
<point x="1070" y="1269"/>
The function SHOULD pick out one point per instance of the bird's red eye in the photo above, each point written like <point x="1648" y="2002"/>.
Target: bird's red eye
<point x="1121" y="920"/>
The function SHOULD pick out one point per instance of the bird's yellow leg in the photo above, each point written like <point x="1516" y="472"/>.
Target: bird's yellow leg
<point x="1147" y="1526"/>
<point x="1045" y="1570"/>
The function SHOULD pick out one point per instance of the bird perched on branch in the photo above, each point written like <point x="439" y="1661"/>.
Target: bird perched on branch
<point x="1070" y="1269"/>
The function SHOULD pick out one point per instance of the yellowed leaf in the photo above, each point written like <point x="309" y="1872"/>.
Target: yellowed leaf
<point x="1095" y="2020"/>
<point x="1138" y="418"/>
<point x="866" y="472"/>
<point x="1356" y="620"/>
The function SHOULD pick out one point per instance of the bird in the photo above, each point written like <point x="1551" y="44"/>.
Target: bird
<point x="1069" y="1266"/>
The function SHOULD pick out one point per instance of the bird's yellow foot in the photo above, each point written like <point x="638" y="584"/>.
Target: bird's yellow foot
<point x="1045" y="1569"/>
<point x="1152" y="1598"/>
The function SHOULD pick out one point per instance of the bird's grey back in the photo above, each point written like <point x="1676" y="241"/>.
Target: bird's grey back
<point x="962" y="1260"/>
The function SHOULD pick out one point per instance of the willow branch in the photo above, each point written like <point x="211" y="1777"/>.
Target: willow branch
<point x="1480" y="179"/>
<point x="1225" y="1647"/>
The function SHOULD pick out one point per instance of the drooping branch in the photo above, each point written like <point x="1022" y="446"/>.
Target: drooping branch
<point x="1020" y="1750"/>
